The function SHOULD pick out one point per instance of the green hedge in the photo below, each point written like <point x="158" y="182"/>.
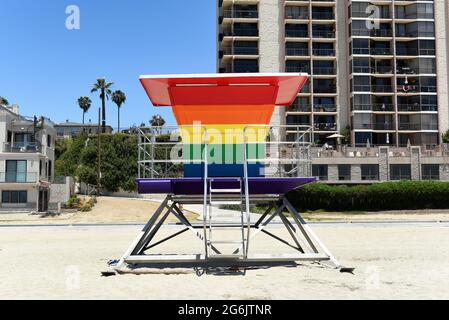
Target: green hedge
<point x="404" y="195"/>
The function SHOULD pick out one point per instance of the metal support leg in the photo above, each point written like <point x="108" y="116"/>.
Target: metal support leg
<point x="313" y="237"/>
<point x="143" y="233"/>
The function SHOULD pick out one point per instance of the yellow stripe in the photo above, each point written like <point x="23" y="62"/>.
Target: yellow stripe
<point x="224" y="134"/>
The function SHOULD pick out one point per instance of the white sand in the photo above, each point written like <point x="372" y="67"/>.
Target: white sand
<point x="394" y="261"/>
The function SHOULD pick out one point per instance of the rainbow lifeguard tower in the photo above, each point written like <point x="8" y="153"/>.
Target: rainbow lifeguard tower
<point x="224" y="152"/>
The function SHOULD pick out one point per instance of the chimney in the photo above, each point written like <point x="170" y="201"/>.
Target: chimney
<point x="14" y="108"/>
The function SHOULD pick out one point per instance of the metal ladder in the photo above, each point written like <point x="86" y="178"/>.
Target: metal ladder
<point x="236" y="195"/>
<point x="209" y="200"/>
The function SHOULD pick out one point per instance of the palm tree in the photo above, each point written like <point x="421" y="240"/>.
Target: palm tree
<point x="119" y="98"/>
<point x="4" y="101"/>
<point x="84" y="103"/>
<point x="105" y="92"/>
<point x="158" y="122"/>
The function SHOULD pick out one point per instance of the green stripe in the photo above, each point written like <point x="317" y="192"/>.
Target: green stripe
<point x="224" y="153"/>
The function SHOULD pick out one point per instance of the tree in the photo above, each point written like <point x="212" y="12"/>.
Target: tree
<point x="118" y="161"/>
<point x="446" y="137"/>
<point x="84" y="103"/>
<point x="119" y="98"/>
<point x="158" y="122"/>
<point x="3" y="101"/>
<point x="105" y="92"/>
<point x="346" y="132"/>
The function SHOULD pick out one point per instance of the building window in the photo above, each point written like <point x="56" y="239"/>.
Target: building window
<point x="14" y="197"/>
<point x="16" y="171"/>
<point x="48" y="140"/>
<point x="320" y="171"/>
<point x="430" y="172"/>
<point x="370" y="172"/>
<point x="400" y="172"/>
<point x="344" y="172"/>
<point x="60" y="132"/>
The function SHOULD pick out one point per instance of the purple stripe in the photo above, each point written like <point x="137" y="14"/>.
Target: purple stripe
<point x="195" y="186"/>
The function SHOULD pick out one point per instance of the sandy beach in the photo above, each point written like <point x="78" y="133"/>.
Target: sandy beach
<point x="392" y="261"/>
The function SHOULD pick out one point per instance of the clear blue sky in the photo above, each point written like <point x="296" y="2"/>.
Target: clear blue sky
<point x="44" y="67"/>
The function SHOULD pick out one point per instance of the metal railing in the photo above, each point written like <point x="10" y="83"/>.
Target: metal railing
<point x="19" y="177"/>
<point x="22" y="147"/>
<point x="163" y="157"/>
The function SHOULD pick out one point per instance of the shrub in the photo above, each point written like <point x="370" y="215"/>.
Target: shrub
<point x="404" y="195"/>
<point x="73" y="202"/>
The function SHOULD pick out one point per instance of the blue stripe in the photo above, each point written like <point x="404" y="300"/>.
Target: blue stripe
<point x="224" y="170"/>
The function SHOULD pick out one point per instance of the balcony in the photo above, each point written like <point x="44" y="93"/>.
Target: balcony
<point x="376" y="33"/>
<point x="242" y="30"/>
<point x="324" y="71"/>
<point x="323" y="34"/>
<point x="296" y="33"/>
<point x="379" y="126"/>
<point x="376" y="107"/>
<point x="22" y="147"/>
<point x="297" y="52"/>
<point x="241" y="50"/>
<point x="324" y="89"/>
<point x="381" y="51"/>
<point x="241" y="14"/>
<point x="409" y="126"/>
<point x="323" y="52"/>
<point x="379" y="88"/>
<point x="417" y="108"/>
<point x="319" y="126"/>
<point x="19" y="177"/>
<point x="298" y="107"/>
<point x="332" y="108"/>
<point x="323" y="15"/>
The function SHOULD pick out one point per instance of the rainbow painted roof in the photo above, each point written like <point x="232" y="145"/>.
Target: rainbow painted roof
<point x="224" y="105"/>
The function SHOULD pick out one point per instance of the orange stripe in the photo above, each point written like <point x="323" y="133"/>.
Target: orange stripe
<point x="206" y="115"/>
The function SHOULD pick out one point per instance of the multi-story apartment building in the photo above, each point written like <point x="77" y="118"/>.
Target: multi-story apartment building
<point x="67" y="130"/>
<point x="26" y="161"/>
<point x="377" y="68"/>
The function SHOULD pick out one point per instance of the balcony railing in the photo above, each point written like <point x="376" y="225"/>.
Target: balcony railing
<point x="324" y="89"/>
<point x="297" y="51"/>
<point x="381" y="51"/>
<point x="324" y="52"/>
<point x="374" y="107"/>
<point x="21" y="147"/>
<point x="297" y="107"/>
<point x="324" y="71"/>
<point x="323" y="34"/>
<point x="242" y="14"/>
<point x="374" y="126"/>
<point x="325" y="126"/>
<point x="19" y="177"/>
<point x="409" y="126"/>
<point x="292" y="33"/>
<point x="416" y="108"/>
<point x="323" y="15"/>
<point x="325" y="108"/>
<point x="240" y="50"/>
<point x="415" y="52"/>
<point x="382" y="33"/>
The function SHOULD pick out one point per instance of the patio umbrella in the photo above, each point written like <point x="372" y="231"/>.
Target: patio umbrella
<point x="409" y="144"/>
<point x="368" y="144"/>
<point x="335" y="136"/>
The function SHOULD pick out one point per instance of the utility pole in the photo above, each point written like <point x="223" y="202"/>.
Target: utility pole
<point x="98" y="152"/>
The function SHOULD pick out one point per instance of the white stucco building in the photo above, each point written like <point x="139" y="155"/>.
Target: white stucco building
<point x="27" y="160"/>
